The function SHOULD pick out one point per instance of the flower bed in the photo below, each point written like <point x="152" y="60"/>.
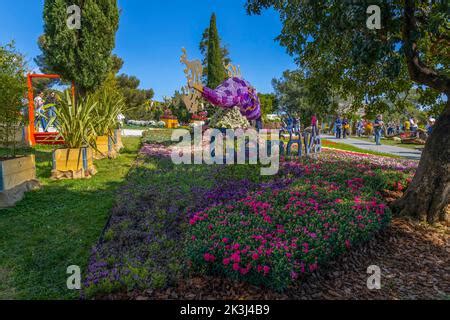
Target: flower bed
<point x="201" y="116"/>
<point x="272" y="237"/>
<point x="229" y="221"/>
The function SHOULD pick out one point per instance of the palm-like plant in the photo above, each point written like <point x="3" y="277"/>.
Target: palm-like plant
<point x="106" y="113"/>
<point x="75" y="123"/>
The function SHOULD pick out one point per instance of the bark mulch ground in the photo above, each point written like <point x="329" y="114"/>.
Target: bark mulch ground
<point x="414" y="261"/>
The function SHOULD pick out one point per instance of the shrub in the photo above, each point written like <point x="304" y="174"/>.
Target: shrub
<point x="12" y="89"/>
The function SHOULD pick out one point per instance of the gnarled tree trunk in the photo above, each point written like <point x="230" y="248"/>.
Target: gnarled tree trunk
<point x="428" y="195"/>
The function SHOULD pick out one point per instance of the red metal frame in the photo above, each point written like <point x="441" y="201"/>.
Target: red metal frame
<point x="31" y="134"/>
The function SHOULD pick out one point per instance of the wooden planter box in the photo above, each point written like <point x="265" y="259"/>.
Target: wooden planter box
<point x="73" y="163"/>
<point x="105" y="148"/>
<point x="171" y="123"/>
<point x="17" y="176"/>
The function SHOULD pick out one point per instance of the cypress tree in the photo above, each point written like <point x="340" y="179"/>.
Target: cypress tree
<point x="216" y="70"/>
<point x="79" y="55"/>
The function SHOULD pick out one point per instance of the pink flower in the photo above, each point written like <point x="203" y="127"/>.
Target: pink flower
<point x="266" y="269"/>
<point x="236" y="266"/>
<point x="225" y="240"/>
<point x="267" y="219"/>
<point x="312" y="267"/>
<point x="305" y="247"/>
<point x="209" y="257"/>
<point x="226" y="261"/>
<point x="255" y="256"/>
<point x="235" y="257"/>
<point x="347" y="244"/>
<point x="244" y="271"/>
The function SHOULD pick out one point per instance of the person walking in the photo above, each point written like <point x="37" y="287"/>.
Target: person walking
<point x="296" y="124"/>
<point x="430" y="125"/>
<point x="314" y="125"/>
<point x="390" y="130"/>
<point x="51" y="112"/>
<point x="359" y="128"/>
<point x="290" y="124"/>
<point x="338" y="127"/>
<point x="413" y="125"/>
<point x="39" y="111"/>
<point x="346" y="128"/>
<point x="378" y="127"/>
<point x="407" y="125"/>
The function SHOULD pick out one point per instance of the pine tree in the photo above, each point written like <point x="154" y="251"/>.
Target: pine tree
<point x="79" y="55"/>
<point x="203" y="47"/>
<point x="216" y="70"/>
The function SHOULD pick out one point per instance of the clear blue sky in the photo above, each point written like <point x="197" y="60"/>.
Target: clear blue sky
<point x="152" y="33"/>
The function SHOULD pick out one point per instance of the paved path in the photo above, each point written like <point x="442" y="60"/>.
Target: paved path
<point x="398" y="151"/>
<point x="132" y="132"/>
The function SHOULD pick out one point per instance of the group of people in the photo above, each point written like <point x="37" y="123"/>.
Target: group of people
<point x="342" y="127"/>
<point x="377" y="127"/>
<point x="292" y="124"/>
<point x="45" y="110"/>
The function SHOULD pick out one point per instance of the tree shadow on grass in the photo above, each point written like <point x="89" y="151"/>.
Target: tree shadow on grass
<point x="49" y="230"/>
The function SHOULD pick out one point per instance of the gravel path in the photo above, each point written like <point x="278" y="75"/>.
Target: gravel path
<point x="398" y="151"/>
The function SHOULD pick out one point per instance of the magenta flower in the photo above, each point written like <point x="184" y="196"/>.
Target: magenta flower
<point x="209" y="257"/>
<point x="266" y="270"/>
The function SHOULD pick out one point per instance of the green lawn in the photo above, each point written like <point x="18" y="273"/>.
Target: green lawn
<point x="347" y="147"/>
<point x="56" y="226"/>
<point x="393" y="143"/>
<point x="134" y="127"/>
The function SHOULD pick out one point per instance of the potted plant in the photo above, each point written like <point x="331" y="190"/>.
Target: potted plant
<point x="75" y="127"/>
<point x="17" y="172"/>
<point x="106" y="122"/>
<point x="199" y="118"/>
<point x="170" y="120"/>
